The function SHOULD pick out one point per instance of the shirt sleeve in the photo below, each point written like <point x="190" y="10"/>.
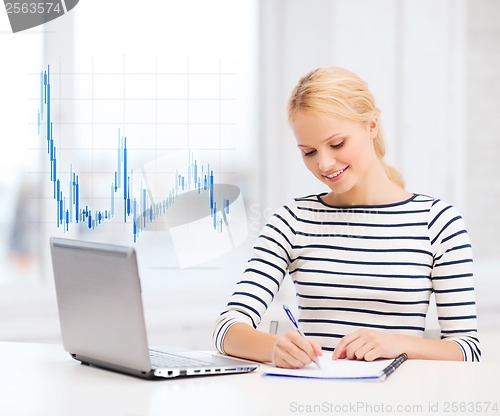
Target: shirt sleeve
<point x="262" y="278"/>
<point x="452" y="279"/>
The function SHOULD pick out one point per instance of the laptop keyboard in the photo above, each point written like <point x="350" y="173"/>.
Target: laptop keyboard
<point x="163" y="360"/>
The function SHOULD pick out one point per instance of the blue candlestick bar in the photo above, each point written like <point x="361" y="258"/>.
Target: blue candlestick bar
<point x="69" y="207"/>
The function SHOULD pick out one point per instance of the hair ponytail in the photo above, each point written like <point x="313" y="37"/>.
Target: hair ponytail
<point x="380" y="150"/>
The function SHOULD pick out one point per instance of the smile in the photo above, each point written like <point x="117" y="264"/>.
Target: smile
<point x="336" y="173"/>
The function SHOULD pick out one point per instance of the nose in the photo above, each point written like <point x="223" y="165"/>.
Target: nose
<point x="325" y="161"/>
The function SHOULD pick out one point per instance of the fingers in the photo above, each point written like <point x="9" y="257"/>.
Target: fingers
<point x="317" y="349"/>
<point x="361" y="345"/>
<point x="341" y="348"/>
<point x="294" y="351"/>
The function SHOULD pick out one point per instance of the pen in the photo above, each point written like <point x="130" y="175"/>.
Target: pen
<point x="296" y="325"/>
<point x="400" y="359"/>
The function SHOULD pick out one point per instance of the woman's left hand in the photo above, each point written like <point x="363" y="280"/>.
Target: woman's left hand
<point x="368" y="345"/>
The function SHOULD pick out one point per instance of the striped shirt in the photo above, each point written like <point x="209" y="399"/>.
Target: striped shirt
<point x="363" y="267"/>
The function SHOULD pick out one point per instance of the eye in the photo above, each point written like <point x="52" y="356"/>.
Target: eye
<point x="310" y="152"/>
<point x="338" y="145"/>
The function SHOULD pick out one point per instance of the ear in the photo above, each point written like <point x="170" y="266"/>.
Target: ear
<point x="373" y="126"/>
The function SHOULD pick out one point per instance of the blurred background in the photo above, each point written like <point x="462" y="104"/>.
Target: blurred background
<point x="433" y="66"/>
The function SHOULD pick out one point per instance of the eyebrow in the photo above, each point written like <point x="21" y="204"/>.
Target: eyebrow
<point x="323" y="141"/>
<point x="333" y="136"/>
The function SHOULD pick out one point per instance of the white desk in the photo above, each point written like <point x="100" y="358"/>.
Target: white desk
<point x="42" y="379"/>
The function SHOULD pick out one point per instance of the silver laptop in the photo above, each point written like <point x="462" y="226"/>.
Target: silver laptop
<point x="101" y="315"/>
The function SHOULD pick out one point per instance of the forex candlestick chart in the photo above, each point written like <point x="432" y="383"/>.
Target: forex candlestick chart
<point x="138" y="206"/>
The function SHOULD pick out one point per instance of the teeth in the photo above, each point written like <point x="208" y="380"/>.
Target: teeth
<point x="333" y="175"/>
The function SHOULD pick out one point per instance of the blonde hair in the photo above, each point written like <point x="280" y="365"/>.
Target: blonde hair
<point x="340" y="93"/>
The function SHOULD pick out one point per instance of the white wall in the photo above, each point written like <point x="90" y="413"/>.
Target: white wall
<point x="482" y="151"/>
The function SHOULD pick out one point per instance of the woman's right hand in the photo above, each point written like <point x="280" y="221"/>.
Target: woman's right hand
<point x="292" y="350"/>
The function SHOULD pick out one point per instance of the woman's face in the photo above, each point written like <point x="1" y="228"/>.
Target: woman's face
<point x="339" y="152"/>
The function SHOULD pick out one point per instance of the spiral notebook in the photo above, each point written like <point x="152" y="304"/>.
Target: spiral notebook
<point x="343" y="369"/>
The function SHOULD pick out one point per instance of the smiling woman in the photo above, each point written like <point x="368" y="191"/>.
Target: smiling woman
<point x="342" y="154"/>
<point x="364" y="258"/>
<point x="335" y="105"/>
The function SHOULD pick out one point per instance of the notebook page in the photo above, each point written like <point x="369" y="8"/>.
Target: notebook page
<point x="336" y="369"/>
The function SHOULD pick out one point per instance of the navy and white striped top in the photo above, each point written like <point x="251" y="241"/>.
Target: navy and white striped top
<point x="363" y="267"/>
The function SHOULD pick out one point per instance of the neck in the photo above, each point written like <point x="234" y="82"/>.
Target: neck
<point x="376" y="189"/>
